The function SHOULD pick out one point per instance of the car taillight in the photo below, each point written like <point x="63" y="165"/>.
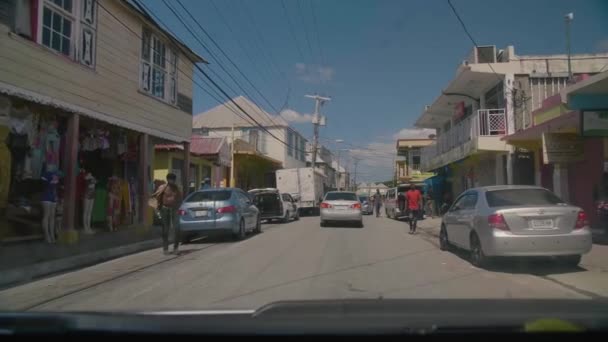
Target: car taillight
<point x="227" y="210"/>
<point x="182" y="212"/>
<point x="325" y="205"/>
<point x="497" y="221"/>
<point x="356" y="206"/>
<point x="581" y="220"/>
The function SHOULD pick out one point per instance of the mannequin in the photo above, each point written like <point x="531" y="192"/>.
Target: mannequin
<point x="49" y="205"/>
<point x="88" y="200"/>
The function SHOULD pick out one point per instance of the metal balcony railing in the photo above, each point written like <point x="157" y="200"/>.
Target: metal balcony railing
<point x="486" y="122"/>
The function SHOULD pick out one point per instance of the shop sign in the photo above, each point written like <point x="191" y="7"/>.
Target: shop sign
<point x="562" y="148"/>
<point x="594" y="123"/>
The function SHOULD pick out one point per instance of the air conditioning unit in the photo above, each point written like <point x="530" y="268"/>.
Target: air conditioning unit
<point x="485" y="54"/>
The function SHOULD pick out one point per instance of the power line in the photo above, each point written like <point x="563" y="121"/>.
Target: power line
<point x="180" y="70"/>
<point x="316" y="27"/>
<point x="197" y="38"/>
<point x="291" y="29"/>
<point x="245" y="51"/>
<point x="466" y="30"/>
<point x="208" y="78"/>
<point x="225" y="55"/>
<point x="305" y="29"/>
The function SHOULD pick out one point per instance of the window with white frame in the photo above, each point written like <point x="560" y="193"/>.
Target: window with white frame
<point x="68" y="27"/>
<point x="158" y="68"/>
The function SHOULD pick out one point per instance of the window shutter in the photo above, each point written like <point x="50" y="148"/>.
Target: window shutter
<point x="145" y="76"/>
<point x="86" y="49"/>
<point x="88" y="12"/>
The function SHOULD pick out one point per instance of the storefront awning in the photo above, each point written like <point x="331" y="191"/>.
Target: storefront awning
<point x="470" y="82"/>
<point x="563" y="123"/>
<point x="590" y="94"/>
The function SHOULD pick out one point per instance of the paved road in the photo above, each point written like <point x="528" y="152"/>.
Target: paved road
<point x="300" y="260"/>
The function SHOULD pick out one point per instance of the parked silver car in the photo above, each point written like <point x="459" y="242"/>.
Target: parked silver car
<point x="226" y="210"/>
<point x="514" y="220"/>
<point x="341" y="206"/>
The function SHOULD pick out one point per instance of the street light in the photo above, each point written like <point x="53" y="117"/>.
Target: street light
<point x="569" y="17"/>
<point x="338" y="141"/>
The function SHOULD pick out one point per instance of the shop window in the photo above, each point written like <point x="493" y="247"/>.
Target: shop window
<point x="158" y="68"/>
<point x="65" y="26"/>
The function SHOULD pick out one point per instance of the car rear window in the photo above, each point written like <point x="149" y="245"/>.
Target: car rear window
<point x="268" y="196"/>
<point x="203" y="196"/>
<point x="521" y="197"/>
<point x="341" y="196"/>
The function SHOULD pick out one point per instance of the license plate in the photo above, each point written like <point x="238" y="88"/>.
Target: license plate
<point x="200" y="213"/>
<point x="340" y="207"/>
<point x="542" y="224"/>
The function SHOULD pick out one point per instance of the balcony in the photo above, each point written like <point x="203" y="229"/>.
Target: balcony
<point x="479" y="132"/>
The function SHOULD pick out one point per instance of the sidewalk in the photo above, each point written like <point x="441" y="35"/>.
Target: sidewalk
<point x="28" y="260"/>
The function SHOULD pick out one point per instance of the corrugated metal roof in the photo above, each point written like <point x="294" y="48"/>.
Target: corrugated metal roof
<point x="199" y="145"/>
<point x="222" y="117"/>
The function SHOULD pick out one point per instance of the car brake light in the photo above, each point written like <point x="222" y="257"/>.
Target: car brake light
<point x="356" y="206"/>
<point x="581" y="220"/>
<point x="325" y="205"/>
<point x="226" y="210"/>
<point x="497" y="221"/>
<point x="182" y="212"/>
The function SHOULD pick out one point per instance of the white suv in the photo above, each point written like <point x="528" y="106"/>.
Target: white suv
<point x="274" y="205"/>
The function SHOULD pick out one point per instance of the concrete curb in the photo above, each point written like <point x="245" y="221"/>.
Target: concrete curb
<point x="13" y="277"/>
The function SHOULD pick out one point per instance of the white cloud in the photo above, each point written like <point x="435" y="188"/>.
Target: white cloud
<point x="314" y="73"/>
<point x="602" y="45"/>
<point x="413" y="133"/>
<point x="292" y="116"/>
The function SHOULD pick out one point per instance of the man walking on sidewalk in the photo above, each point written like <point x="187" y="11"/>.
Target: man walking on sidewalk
<point x="169" y="199"/>
<point x="414" y="204"/>
<point x="378" y="202"/>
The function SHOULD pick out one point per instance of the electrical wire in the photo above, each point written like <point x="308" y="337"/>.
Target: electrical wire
<point x="222" y="91"/>
<point x="292" y="31"/>
<point x="305" y="29"/>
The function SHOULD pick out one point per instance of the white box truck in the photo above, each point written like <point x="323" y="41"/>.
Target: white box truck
<point x="305" y="185"/>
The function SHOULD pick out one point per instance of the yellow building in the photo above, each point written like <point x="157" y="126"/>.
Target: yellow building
<point x="408" y="161"/>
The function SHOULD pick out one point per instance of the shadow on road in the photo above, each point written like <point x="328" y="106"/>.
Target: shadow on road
<point x="342" y="225"/>
<point x="538" y="266"/>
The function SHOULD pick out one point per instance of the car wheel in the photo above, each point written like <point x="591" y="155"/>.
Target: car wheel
<point x="323" y="223"/>
<point x="477" y="257"/>
<point x="241" y="233"/>
<point x="285" y="218"/>
<point x="186" y="239"/>
<point x="258" y="226"/>
<point x="360" y="224"/>
<point x="570" y="260"/>
<point x="444" y="242"/>
<point x="297" y="217"/>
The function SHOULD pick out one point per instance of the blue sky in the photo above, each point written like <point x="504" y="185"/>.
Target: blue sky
<point x="381" y="61"/>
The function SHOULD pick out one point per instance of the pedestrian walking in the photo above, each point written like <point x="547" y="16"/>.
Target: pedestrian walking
<point x="169" y="198"/>
<point x="378" y="202"/>
<point x="414" y="204"/>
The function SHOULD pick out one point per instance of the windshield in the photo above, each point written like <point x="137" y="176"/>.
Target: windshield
<point x="521" y="198"/>
<point x="341" y="196"/>
<point x="188" y="155"/>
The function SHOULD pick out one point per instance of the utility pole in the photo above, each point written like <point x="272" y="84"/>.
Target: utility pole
<point x="232" y="185"/>
<point x="316" y="119"/>
<point x="356" y="161"/>
<point x="569" y="17"/>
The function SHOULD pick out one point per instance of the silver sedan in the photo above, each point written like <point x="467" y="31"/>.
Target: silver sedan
<point x="341" y="206"/>
<point x="515" y="220"/>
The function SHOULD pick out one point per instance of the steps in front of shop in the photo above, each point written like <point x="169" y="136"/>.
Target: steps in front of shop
<point x="25" y="261"/>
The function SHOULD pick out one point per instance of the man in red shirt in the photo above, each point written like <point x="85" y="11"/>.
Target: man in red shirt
<point x="414" y="204"/>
